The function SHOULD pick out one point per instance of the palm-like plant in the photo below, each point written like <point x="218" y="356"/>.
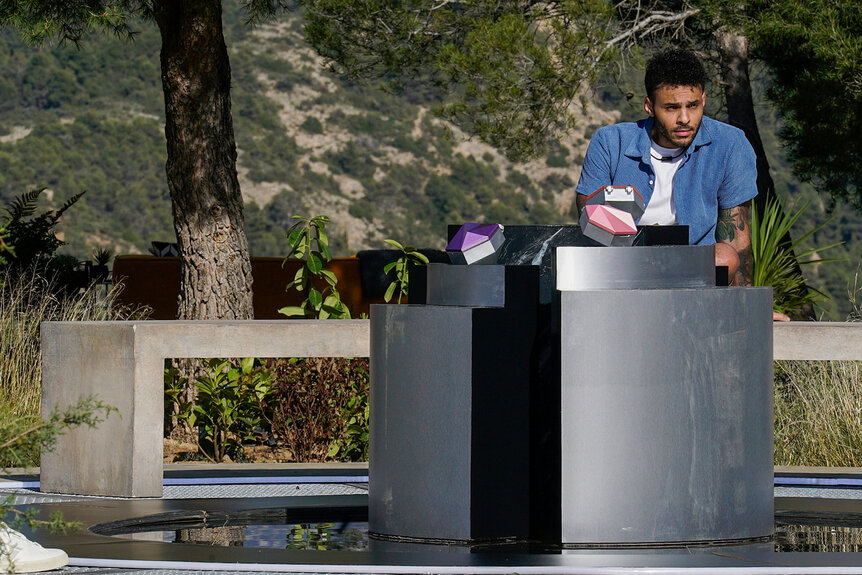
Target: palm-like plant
<point x="776" y="263"/>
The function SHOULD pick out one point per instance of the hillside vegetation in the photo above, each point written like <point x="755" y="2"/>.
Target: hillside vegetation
<point x="379" y="164"/>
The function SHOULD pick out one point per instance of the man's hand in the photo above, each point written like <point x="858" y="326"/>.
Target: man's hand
<point x="580" y="201"/>
<point x="734" y="231"/>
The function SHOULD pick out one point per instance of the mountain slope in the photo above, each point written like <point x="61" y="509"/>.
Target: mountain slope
<point x="378" y="164"/>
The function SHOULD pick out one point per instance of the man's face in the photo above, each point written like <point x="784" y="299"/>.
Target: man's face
<point x="678" y="111"/>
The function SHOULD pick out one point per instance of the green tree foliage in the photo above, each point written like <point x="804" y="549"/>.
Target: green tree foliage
<point x="814" y="53"/>
<point x="507" y="71"/>
<point x="201" y="159"/>
<point x="23" y="436"/>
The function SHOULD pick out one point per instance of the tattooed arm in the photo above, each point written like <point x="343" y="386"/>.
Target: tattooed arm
<point x="734" y="230"/>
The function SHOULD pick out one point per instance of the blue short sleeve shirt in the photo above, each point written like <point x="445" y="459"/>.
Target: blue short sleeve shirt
<point x="718" y="171"/>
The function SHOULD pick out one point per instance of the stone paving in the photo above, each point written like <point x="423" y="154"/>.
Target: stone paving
<point x="32" y="496"/>
<point x="297" y="488"/>
<point x="820" y="492"/>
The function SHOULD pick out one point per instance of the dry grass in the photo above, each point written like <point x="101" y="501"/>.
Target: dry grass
<point x="818" y="407"/>
<point x="818" y="413"/>
<point x="25" y="302"/>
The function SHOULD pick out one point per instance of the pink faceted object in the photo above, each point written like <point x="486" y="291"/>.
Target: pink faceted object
<point x="625" y="198"/>
<point x="607" y="225"/>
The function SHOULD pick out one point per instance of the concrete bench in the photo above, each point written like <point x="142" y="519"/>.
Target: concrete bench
<point x="122" y="363"/>
<point x="817" y="340"/>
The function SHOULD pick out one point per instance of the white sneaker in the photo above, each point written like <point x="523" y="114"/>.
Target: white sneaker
<point x="20" y="555"/>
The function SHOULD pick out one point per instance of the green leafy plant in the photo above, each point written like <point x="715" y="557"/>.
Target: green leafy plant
<point x="409" y="256"/>
<point x="31" y="237"/>
<point x="775" y="264"/>
<point x="308" y="242"/>
<point x="227" y="408"/>
<point x="22" y="437"/>
<point x="352" y="444"/>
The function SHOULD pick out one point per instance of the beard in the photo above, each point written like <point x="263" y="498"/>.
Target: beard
<point x="668" y="135"/>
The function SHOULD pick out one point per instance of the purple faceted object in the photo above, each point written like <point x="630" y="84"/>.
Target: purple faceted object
<point x="475" y="243"/>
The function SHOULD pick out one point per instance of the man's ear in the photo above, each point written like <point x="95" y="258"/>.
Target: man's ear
<point x="648" y="107"/>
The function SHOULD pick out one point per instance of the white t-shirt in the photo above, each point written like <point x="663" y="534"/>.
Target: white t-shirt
<point x="660" y="209"/>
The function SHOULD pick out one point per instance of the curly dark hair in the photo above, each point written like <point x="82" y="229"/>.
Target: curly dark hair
<point x="674" y="68"/>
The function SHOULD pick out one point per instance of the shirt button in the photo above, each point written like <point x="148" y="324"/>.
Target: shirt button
<point x="650" y="182"/>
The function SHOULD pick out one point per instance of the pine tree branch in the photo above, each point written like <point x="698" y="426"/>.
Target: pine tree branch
<point x="653" y="23"/>
<point x="25" y="433"/>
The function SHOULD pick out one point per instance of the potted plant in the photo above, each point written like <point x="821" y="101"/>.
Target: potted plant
<point x="102" y="256"/>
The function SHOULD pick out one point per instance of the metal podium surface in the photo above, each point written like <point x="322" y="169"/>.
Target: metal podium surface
<point x="666" y="411"/>
<point x="449" y="417"/>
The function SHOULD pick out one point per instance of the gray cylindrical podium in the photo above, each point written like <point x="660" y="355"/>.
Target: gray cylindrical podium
<point x="666" y="400"/>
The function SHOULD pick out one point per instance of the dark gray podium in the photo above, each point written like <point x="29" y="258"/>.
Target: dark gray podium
<point x="630" y="407"/>
<point x="449" y="433"/>
<point x="666" y="394"/>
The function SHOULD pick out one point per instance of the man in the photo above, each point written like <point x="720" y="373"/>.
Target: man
<point x="690" y="169"/>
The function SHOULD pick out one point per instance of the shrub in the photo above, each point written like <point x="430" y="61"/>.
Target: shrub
<point x="312" y="125"/>
<point x="30" y="238"/>
<point x="776" y="264"/>
<point x="319" y="407"/>
<point x="227" y="408"/>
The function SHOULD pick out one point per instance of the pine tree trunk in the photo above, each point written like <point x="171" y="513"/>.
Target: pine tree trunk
<point x="201" y="167"/>
<point x="216" y="280"/>
<point x="733" y="50"/>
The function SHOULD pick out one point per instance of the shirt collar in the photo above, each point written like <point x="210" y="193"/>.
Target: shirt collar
<point x="639" y="147"/>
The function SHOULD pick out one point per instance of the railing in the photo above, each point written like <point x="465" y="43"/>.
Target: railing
<point x="123" y="363"/>
<point x="802" y="340"/>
